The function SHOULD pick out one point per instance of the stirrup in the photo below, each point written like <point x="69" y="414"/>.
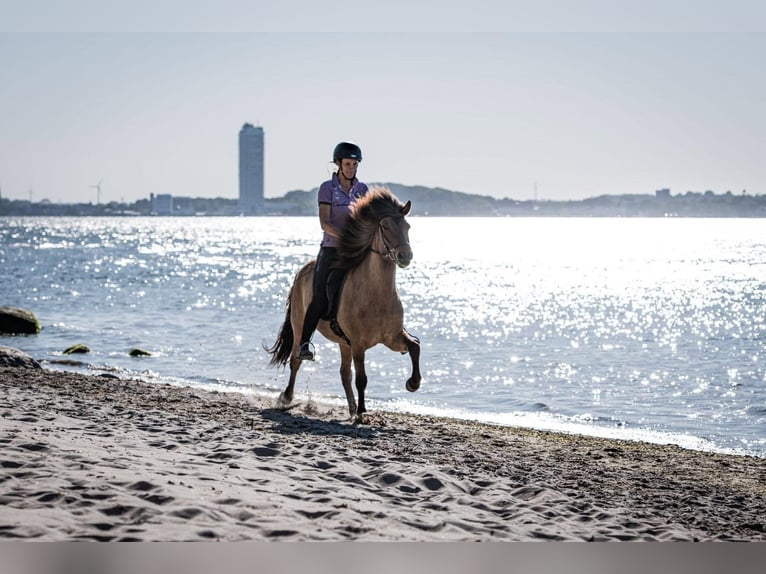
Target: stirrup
<point x="305" y="352"/>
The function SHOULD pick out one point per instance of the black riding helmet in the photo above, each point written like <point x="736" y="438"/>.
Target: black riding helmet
<point x="347" y="150"/>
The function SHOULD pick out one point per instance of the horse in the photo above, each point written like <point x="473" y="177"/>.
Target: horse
<point x="374" y="243"/>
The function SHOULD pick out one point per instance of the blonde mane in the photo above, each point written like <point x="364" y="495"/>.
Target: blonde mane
<point x="365" y="215"/>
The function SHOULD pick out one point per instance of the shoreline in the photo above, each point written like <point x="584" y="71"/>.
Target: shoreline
<point x="88" y="457"/>
<point x="259" y="395"/>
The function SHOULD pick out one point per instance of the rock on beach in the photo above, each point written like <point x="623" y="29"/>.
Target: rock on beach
<point x="15" y="321"/>
<point x="10" y="357"/>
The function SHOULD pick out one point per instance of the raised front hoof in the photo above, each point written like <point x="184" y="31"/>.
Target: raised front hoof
<point x="412" y="385"/>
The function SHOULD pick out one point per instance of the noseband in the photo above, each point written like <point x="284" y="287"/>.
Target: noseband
<point x="389" y="252"/>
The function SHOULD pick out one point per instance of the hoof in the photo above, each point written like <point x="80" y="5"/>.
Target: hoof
<point x="282" y="402"/>
<point x="412" y="386"/>
<point x="362" y="419"/>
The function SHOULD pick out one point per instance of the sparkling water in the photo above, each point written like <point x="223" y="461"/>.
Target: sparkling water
<point x="648" y="329"/>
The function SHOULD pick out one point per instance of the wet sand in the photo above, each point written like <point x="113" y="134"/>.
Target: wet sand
<point x="87" y="457"/>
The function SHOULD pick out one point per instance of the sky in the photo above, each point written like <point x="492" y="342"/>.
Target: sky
<point x="564" y="108"/>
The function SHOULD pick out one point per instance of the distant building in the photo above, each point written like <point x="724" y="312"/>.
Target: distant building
<point x="162" y="204"/>
<point x="663" y="193"/>
<point x="183" y="206"/>
<point x="251" y="170"/>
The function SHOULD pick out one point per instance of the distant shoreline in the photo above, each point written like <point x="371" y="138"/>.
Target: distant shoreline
<point x="435" y="202"/>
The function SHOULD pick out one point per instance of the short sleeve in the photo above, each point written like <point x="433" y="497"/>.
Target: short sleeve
<point x="325" y="193"/>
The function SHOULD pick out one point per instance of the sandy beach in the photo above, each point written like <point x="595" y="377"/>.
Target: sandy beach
<point x="91" y="457"/>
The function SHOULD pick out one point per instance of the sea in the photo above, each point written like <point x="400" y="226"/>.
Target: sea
<point x="642" y="329"/>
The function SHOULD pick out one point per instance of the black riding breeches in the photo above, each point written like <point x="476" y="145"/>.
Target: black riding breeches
<point x="319" y="303"/>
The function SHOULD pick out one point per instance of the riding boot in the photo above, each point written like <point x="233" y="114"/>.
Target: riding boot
<point x="305" y="352"/>
<point x="310" y="322"/>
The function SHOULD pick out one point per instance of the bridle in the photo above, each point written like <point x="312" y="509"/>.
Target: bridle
<point x="389" y="252"/>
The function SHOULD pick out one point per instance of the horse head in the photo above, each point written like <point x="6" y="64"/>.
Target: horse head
<point x="377" y="223"/>
<point x="395" y="236"/>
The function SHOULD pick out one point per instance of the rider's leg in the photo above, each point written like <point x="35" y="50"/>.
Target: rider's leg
<point x="318" y="304"/>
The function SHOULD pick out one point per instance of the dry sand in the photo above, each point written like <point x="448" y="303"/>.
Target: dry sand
<point x="86" y="457"/>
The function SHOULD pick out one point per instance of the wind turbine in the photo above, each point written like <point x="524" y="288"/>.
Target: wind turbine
<point x="98" y="190"/>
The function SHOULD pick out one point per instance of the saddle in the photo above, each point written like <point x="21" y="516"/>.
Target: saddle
<point x="335" y="281"/>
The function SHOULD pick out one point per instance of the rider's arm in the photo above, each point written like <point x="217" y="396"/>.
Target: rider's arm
<point x="324" y="220"/>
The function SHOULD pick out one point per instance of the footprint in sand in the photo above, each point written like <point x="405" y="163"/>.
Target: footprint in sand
<point x="34" y="447"/>
<point x="432" y="483"/>
<point x="187" y="513"/>
<point x="265" y="451"/>
<point x="117" y="510"/>
<point x="143" y="486"/>
<point x="157" y="499"/>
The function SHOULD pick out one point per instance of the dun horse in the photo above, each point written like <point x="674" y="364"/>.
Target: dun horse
<point x="374" y="243"/>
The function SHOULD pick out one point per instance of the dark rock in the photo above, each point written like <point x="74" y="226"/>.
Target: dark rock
<point x="15" y="321"/>
<point x="10" y="357"/>
<point x="78" y="348"/>
<point x="67" y="362"/>
<point x="136" y="352"/>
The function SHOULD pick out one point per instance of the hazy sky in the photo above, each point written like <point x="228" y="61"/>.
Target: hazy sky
<point x="578" y="114"/>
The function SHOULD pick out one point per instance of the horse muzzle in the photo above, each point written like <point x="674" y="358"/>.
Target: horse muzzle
<point x="403" y="257"/>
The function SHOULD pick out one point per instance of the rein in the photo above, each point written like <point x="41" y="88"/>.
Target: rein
<point x="390" y="252"/>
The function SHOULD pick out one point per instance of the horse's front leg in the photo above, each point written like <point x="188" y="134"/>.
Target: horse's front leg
<point x="286" y="397"/>
<point x="413" y="348"/>
<point x="345" y="378"/>
<point x="361" y="385"/>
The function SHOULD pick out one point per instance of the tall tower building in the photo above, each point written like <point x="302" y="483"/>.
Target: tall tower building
<point x="251" y="170"/>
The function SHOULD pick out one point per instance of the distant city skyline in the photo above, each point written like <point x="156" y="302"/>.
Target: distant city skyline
<point x="569" y="116"/>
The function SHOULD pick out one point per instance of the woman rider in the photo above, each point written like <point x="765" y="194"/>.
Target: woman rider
<point x="335" y="198"/>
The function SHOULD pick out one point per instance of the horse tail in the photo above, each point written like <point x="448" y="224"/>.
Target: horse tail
<point x="282" y="348"/>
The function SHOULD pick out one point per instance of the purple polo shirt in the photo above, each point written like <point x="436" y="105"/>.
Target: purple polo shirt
<point x="331" y="193"/>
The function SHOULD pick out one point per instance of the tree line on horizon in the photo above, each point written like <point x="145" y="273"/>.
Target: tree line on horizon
<point x="437" y="202"/>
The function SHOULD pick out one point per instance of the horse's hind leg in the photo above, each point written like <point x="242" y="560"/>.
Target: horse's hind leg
<point x="297" y="312"/>
<point x="345" y="378"/>
<point x="286" y="396"/>
<point x="413" y="348"/>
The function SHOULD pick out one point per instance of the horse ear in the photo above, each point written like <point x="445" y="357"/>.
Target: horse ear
<point x="406" y="209"/>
